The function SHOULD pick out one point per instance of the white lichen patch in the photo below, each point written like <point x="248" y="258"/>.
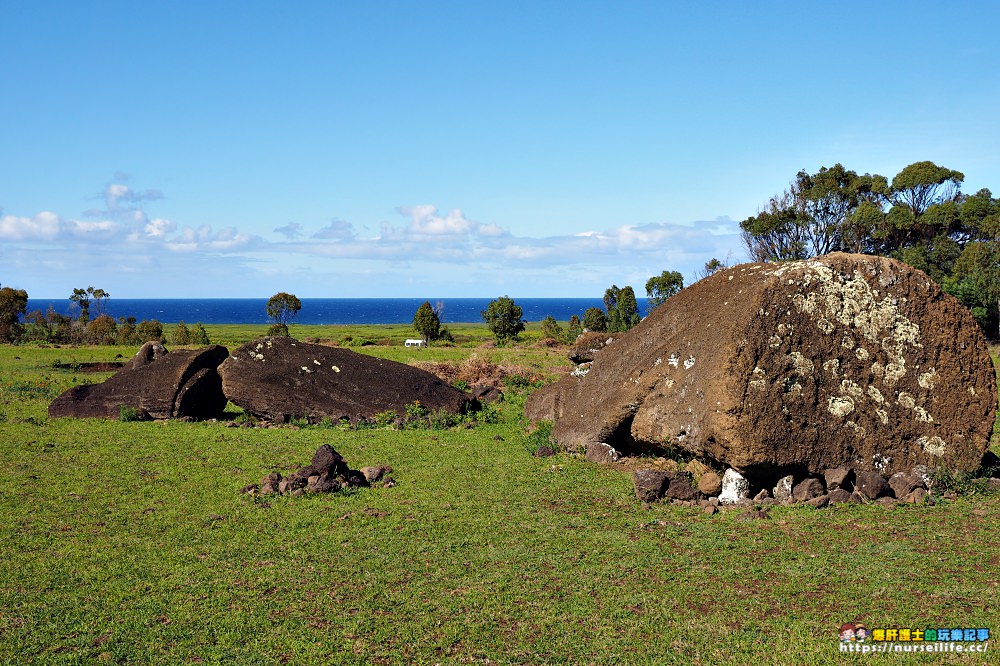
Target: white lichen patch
<point x="316" y="362"/>
<point x="883" y="416"/>
<point x="774" y="341"/>
<point x="855" y="392"/>
<point x="824" y="325"/>
<point x="880" y="462"/>
<point x="875" y="394"/>
<point x="847" y="342"/>
<point x="923" y="415"/>
<point x="933" y="445"/>
<point x="581" y="370"/>
<point x="689" y="362"/>
<point x="758" y="379"/>
<point x="862" y="354"/>
<point x="785" y="328"/>
<point x="306" y="369"/>
<point x="802" y="365"/>
<point x="894" y="371"/>
<point x="972" y="390"/>
<point x="674" y="360"/>
<point x="859" y="431"/>
<point x="832" y="366"/>
<point x="840" y="406"/>
<point x="335" y="368"/>
<point x="657" y="362"/>
<point x="906" y="400"/>
<point x="927" y="379"/>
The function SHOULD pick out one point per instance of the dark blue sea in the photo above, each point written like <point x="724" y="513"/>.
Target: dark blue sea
<point x="322" y="310"/>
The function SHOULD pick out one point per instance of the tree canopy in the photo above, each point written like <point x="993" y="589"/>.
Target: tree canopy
<point x="283" y="308"/>
<point x="13" y="304"/>
<point x="503" y="317"/>
<point x="426" y="322"/>
<point x="920" y="217"/>
<point x="666" y="284"/>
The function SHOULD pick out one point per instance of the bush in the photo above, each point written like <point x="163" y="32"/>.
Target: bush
<point x="102" y="331"/>
<point x="503" y="317"/>
<point x="199" y="336"/>
<point x="182" y="336"/>
<point x="150" y="330"/>
<point x="551" y="330"/>
<point x="594" y="319"/>
<point x="278" y="331"/>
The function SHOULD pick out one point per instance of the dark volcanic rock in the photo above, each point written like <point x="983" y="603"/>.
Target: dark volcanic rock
<point x="587" y="345"/>
<point x="161" y="385"/>
<point x="279" y="379"/>
<point x="649" y="484"/>
<point x="842" y="360"/>
<point x="871" y="485"/>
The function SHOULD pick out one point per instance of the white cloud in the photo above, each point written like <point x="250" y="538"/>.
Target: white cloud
<point x="43" y="226"/>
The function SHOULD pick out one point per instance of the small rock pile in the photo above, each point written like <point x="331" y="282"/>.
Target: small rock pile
<point x="327" y="473"/>
<point x="697" y="484"/>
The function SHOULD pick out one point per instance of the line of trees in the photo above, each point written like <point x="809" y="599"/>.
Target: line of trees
<point x="19" y="325"/>
<point x="920" y="217"/>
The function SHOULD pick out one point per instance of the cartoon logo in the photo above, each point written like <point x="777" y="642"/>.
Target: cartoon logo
<point x="847" y="634"/>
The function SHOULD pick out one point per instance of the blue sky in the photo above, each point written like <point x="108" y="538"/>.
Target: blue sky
<point x="449" y="149"/>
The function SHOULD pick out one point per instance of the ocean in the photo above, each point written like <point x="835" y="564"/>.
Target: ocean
<point x="322" y="310"/>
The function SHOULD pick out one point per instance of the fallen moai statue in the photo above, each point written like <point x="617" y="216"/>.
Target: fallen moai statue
<point x="279" y="379"/>
<point x="156" y="384"/>
<point x="798" y="367"/>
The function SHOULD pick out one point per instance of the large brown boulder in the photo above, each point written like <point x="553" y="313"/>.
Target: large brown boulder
<point x="156" y="384"/>
<point x="845" y="359"/>
<point x="278" y="379"/>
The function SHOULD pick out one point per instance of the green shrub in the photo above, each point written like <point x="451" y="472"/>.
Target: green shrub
<point x="199" y="336"/>
<point x="128" y="414"/>
<point x="278" y="331"/>
<point x="182" y="336"/>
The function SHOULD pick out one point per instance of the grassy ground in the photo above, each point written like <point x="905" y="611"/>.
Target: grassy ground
<point x="130" y="543"/>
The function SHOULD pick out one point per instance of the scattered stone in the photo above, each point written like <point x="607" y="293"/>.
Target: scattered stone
<point x="649" y="484"/>
<point x="697" y="468"/>
<point x="486" y="394"/>
<point x="735" y="487"/>
<point x="587" y="345"/>
<point x="783" y="489"/>
<point x="840" y="496"/>
<point x="838" y="477"/>
<point x="752" y="514"/>
<point x="807" y="489"/>
<point x="544" y="452"/>
<point x="871" y="484"/>
<point x="762" y="495"/>
<point x="903" y="483"/>
<point x="250" y="489"/>
<point x="887" y="502"/>
<point x="818" y="502"/>
<point x="680" y="488"/>
<point x="327" y="473"/>
<point x="373" y="474"/>
<point x="916" y="496"/>
<point x="993" y="485"/>
<point x="599" y="452"/>
<point x="710" y="483"/>
<point x="710" y="510"/>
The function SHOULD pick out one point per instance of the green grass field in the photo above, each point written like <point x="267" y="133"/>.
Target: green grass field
<point x="130" y="543"/>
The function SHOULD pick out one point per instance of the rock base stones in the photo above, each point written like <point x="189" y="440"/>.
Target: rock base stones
<point x="327" y="473"/>
<point x="685" y="484"/>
